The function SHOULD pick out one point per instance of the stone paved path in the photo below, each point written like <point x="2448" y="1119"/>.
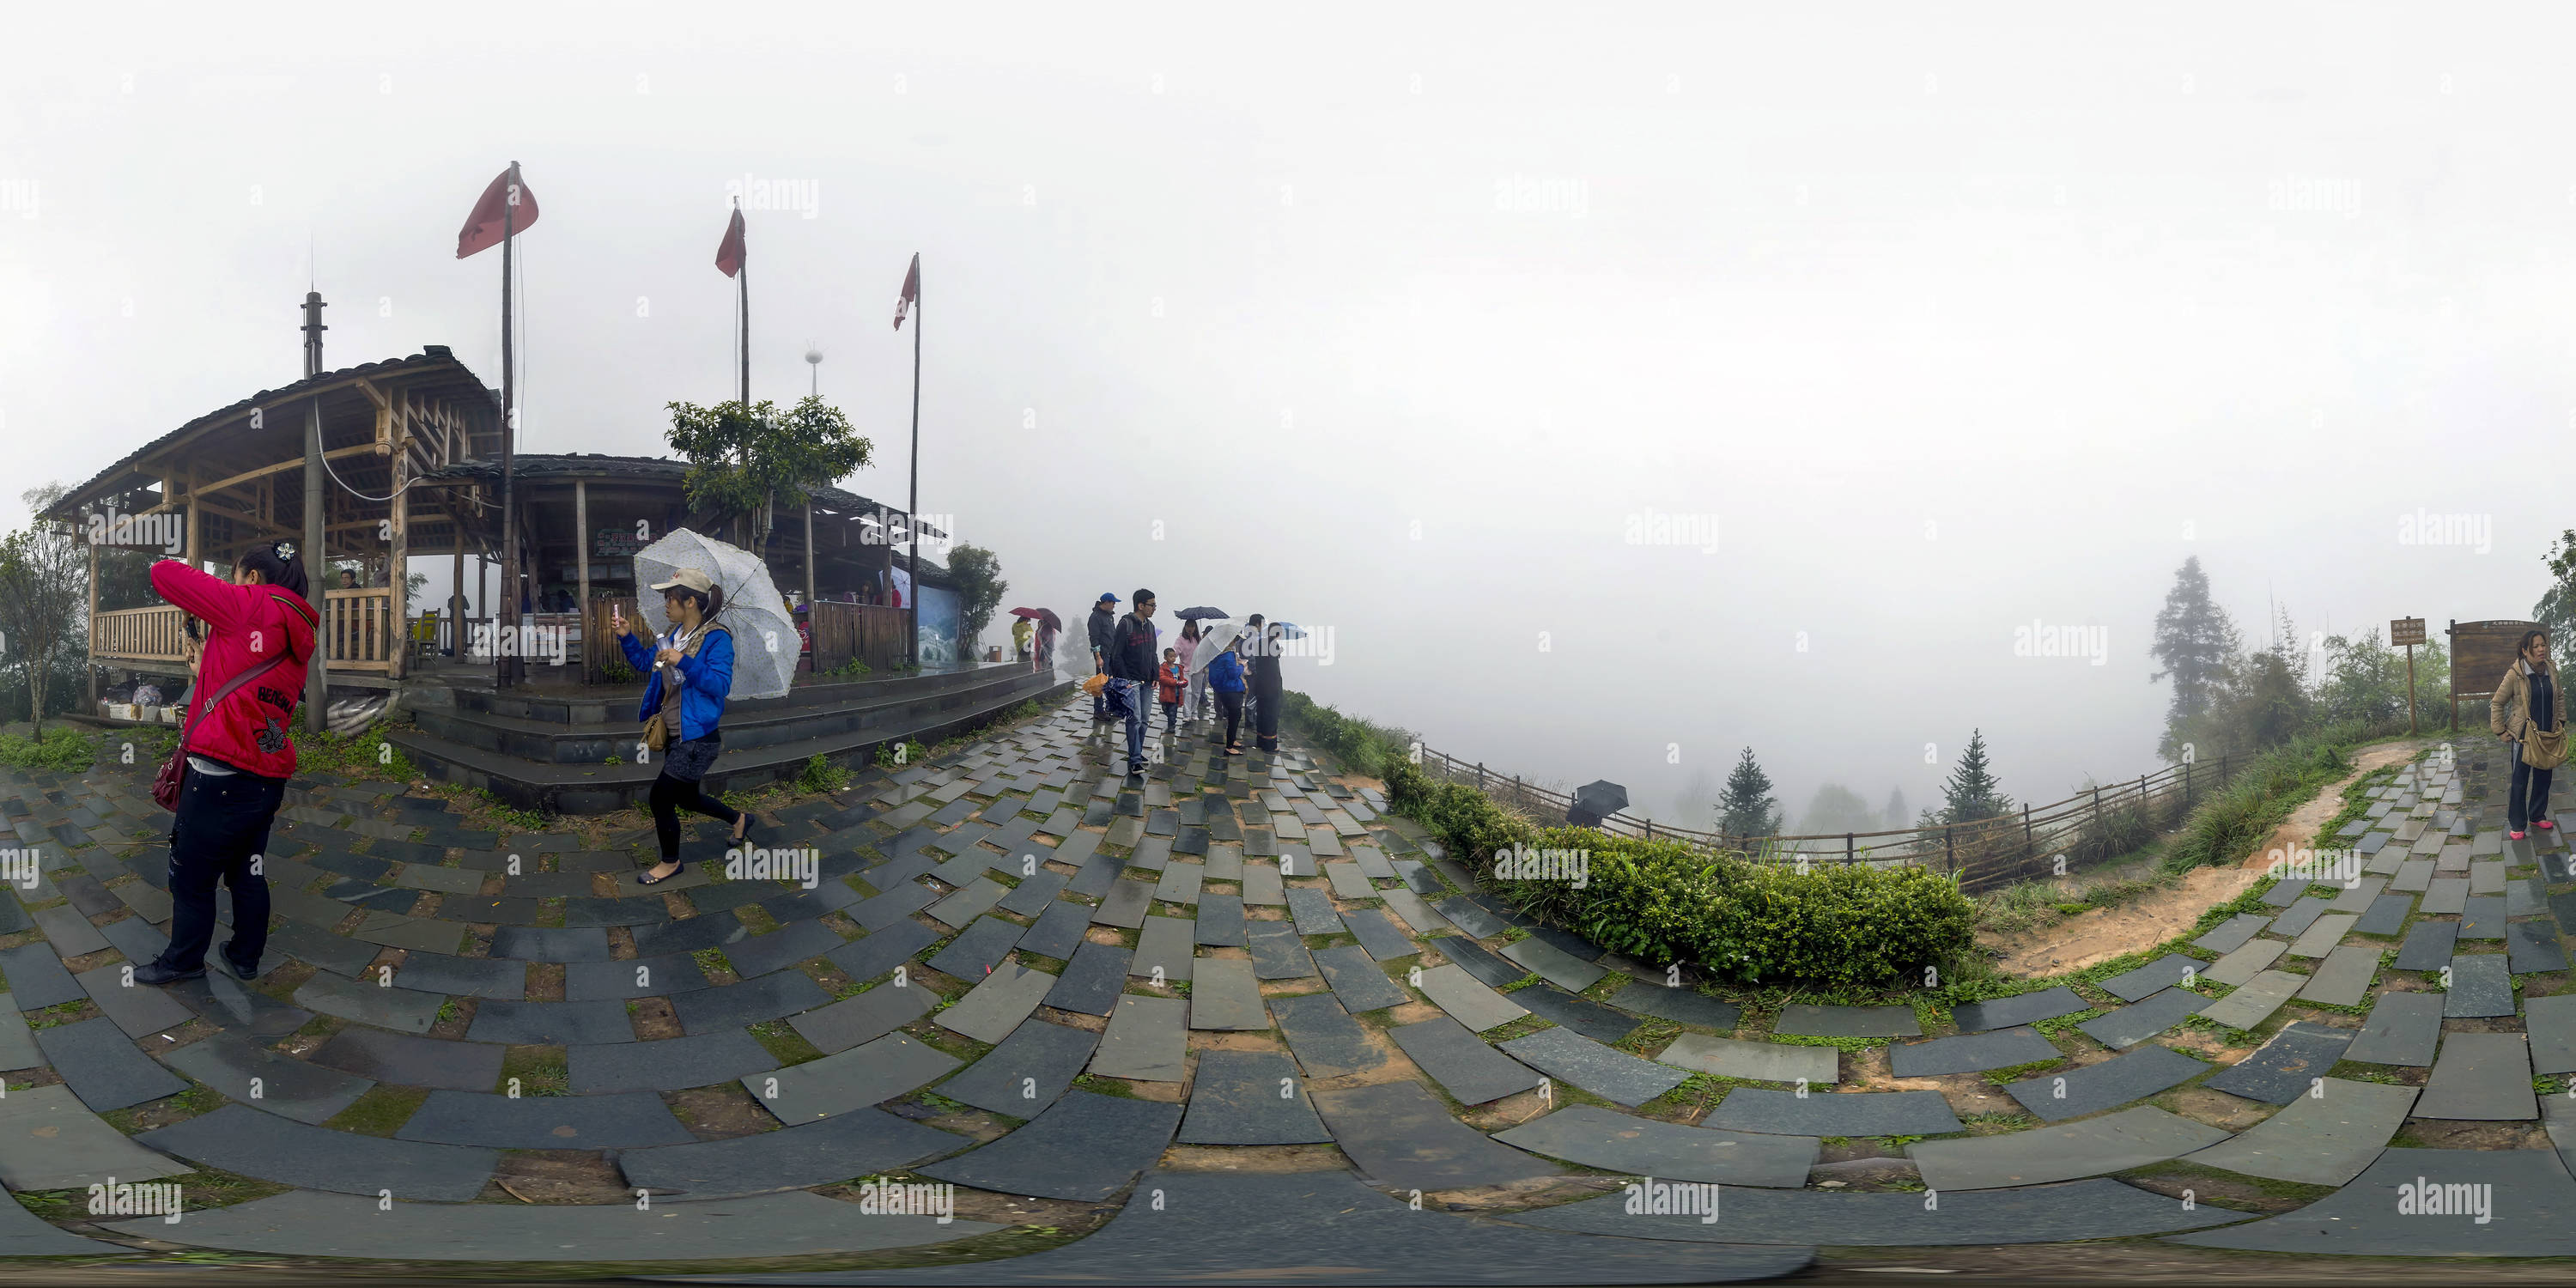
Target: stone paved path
<point x="1020" y="973"/>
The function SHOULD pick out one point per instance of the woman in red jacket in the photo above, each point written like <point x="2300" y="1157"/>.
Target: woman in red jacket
<point x="239" y="754"/>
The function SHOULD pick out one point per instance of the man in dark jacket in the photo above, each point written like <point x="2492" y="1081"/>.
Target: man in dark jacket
<point x="1132" y="663"/>
<point x="1267" y="688"/>
<point x="1103" y="622"/>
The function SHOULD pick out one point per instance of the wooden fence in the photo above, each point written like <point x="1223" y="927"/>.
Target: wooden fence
<point x="872" y="633"/>
<point x="359" y="632"/>
<point x="1984" y="855"/>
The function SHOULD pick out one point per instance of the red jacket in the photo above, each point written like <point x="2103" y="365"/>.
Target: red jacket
<point x="246" y="626"/>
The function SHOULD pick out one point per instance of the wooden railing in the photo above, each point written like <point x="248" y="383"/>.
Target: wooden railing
<point x="1984" y="854"/>
<point x="360" y="629"/>
<point x="597" y="625"/>
<point x="872" y="633"/>
<point x="151" y="634"/>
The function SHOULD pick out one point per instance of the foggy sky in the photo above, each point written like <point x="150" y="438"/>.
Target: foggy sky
<point x="1390" y="320"/>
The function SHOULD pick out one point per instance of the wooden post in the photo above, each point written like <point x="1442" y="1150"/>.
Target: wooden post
<point x="317" y="571"/>
<point x="456" y="584"/>
<point x="581" y="552"/>
<point x="809" y="558"/>
<point x="90" y="670"/>
<point x="196" y="552"/>
<point x="2410" y="691"/>
<point x="1847" y="847"/>
<point x="1950" y="847"/>
<point x="398" y="560"/>
<point x="2029" y="839"/>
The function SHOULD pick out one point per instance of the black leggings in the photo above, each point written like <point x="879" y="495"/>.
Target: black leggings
<point x="1232" y="705"/>
<point x="670" y="796"/>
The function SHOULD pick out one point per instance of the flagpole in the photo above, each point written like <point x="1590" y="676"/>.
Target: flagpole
<point x="912" y="503"/>
<point x="509" y="607"/>
<point x="742" y="278"/>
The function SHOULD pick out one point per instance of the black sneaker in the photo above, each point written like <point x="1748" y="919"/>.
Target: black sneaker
<point x="155" y="973"/>
<point x="224" y="958"/>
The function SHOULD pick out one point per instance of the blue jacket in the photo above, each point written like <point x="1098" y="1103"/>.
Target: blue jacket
<point x="1225" y="672"/>
<point x="708" y="673"/>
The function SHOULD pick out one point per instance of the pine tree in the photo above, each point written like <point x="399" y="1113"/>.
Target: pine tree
<point x="1747" y="807"/>
<point x="1897" y="815"/>
<point x="1971" y="793"/>
<point x="2194" y="640"/>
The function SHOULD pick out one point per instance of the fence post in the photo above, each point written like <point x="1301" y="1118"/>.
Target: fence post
<point x="2097" y="807"/>
<point x="2029" y="839"/>
<point x="1480" y="775"/>
<point x="1847" y="847"/>
<point x="1650" y="829"/>
<point x="1950" y="847"/>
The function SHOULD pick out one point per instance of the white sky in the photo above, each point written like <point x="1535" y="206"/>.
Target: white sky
<point x="2056" y="282"/>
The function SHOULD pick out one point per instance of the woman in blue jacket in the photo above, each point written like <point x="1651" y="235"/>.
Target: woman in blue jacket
<point x="692" y="669"/>
<point x="1225" y="677"/>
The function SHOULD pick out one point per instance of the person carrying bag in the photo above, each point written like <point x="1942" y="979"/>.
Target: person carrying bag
<point x="2530" y="709"/>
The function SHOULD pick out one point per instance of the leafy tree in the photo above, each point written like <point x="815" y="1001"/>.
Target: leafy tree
<point x="44" y="601"/>
<point x="2193" y="642"/>
<point x="1836" y="808"/>
<point x="746" y="462"/>
<point x="1747" y="807"/>
<point x="1971" y="792"/>
<point x="978" y="574"/>
<point x="2556" y="611"/>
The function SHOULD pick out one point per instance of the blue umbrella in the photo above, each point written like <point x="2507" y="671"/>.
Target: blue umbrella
<point x="1289" y="631"/>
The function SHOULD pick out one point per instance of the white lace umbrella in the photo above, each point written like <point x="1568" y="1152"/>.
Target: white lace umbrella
<point x="1212" y="639"/>
<point x="765" y="643"/>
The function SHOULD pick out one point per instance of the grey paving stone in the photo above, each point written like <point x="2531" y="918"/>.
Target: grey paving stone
<point x="671" y="1064"/>
<point x="1164" y="950"/>
<point x="1555" y="965"/>
<point x="579" y="944"/>
<point x="71" y="933"/>
<point x="2021" y="1009"/>
<point x="860" y="1017"/>
<point x="2131" y="1025"/>
<point x="1416" y="911"/>
<point x="868" y="1074"/>
<point x="2414" y="876"/>
<point x="1221" y="922"/>
<point x="2322" y="934"/>
<point x="2254" y="1001"/>
<point x="402" y="1009"/>
<point x="1277" y="952"/>
<point x="407" y="1061"/>
<point x="1400" y="1135"/>
<point x="36" y="977"/>
<point x="462" y="976"/>
<point x="1377" y="935"/>
<point x="1604" y="1071"/>
<point x="1802" y="1020"/>
<point x="237" y="1138"/>
<point x="977" y="949"/>
<point x="1753" y="1061"/>
<point x="1147" y="1040"/>
<point x="1468" y="1000"/>
<point x="1058" y="931"/>
<point x="898" y="900"/>
<point x="2428" y="946"/>
<point x="604" y="1121"/>
<point x="2358" y="896"/>
<point x="2323" y="1139"/>
<point x="2532" y="1199"/>
<point x="1262" y="886"/>
<point x="290" y="1088"/>
<point x="861" y="1142"/>
<point x="17" y="1043"/>
<point x="2162" y="973"/>
<point x="1358" y="981"/>
<point x="141" y="1010"/>
<point x="2295" y="920"/>
<point x="1970" y="1053"/>
<point x="879" y="952"/>
<point x="49" y="1140"/>
<point x="1472" y="1071"/>
<point x="2532" y="946"/>
<point x="2099" y="1146"/>
<point x="1125" y="905"/>
<point x="2550" y="1022"/>
<point x="1471" y="919"/>
<point x="752" y="1001"/>
<point x="519" y="1023"/>
<point x="1681" y="1005"/>
<point x="306" y="1223"/>
<point x="2402" y="1028"/>
<point x="101" y="1065"/>
<point x="2480" y="987"/>
<point x="993" y="1008"/>
<point x="2343" y="979"/>
<point x="1029" y="1071"/>
<point x="1313" y="911"/>
<point x="2078" y="1210"/>
<point x="1249" y="1098"/>
<point x="2282" y="1070"/>
<point x="1323" y="1037"/>
<point x="2483" y="918"/>
<point x="1226" y="996"/>
<point x="788" y="945"/>
<point x="1180" y="882"/>
<point x="1092" y="979"/>
<point x="2445" y="895"/>
<point x="2483" y="1077"/>
<point x="2386" y="915"/>
<point x="1596" y="1137"/>
<point x="2283" y="892"/>
<point x="330" y="952"/>
<point x="1084" y="1147"/>
<point x="2227" y="936"/>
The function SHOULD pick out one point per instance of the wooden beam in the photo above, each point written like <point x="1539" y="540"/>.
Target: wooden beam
<point x="363" y="449"/>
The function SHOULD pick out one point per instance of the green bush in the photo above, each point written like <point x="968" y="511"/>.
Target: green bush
<point x="2241" y="813"/>
<point x="1364" y="745"/>
<point x="821" y="775"/>
<point x="62" y="749"/>
<point x="1841" y="927"/>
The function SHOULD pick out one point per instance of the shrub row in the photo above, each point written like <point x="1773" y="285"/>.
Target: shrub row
<point x="1835" y="927"/>
<point x="1366" y="746"/>
<point x="2239" y="815"/>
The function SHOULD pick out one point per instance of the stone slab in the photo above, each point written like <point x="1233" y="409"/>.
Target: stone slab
<point x="1973" y="1052"/>
<point x="2230" y="935"/>
<point x="1605" y="1071"/>
<point x="2295" y="920"/>
<point x="1313" y="912"/>
<point x="1378" y="935"/>
<point x="1358" y="981"/>
<point x="2446" y="895"/>
<point x="2343" y="979"/>
<point x="752" y="1001"/>
<point x="622" y="1120"/>
<point x="1147" y="1040"/>
<point x="1804" y="1020"/>
<point x="669" y="1064"/>
<point x="49" y="1140"/>
<point x="2428" y="946"/>
<point x="141" y="1010"/>
<point x="1467" y="999"/>
<point x="2162" y="973"/>
<point x="1092" y="980"/>
<point x="1058" y="931"/>
<point x="2323" y="1139"/>
<point x="407" y="1061"/>
<point x="2532" y="947"/>
<point x="2414" y="876"/>
<point x="1084" y="1147"/>
<point x="880" y="951"/>
<point x="2283" y="1069"/>
<point x="240" y="1139"/>
<point x="1681" y="1005"/>
<point x="2321" y="935"/>
<point x="2532" y="1213"/>
<point x="2066" y="1151"/>
<point x="2385" y="916"/>
<point x="2254" y="1001"/>
<point x="36" y="977"/>
<point x="2245" y="963"/>
<point x="1754" y="1061"/>
<point x="1029" y="1071"/>
<point x="2480" y="987"/>
<point x="1592" y="1136"/>
<point x="2020" y="1009"/>
<point x="870" y="1073"/>
<point x="1224" y="995"/>
<point x="1472" y="1071"/>
<point x="1164" y="950"/>
<point x="2484" y="1077"/>
<point x="1402" y="1136"/>
<point x="2402" y="1028"/>
<point x="1249" y="1098"/>
<point x="861" y="1142"/>
<point x="290" y="1088"/>
<point x="1323" y="1037"/>
<point x="860" y="1017"/>
<point x="1125" y="905"/>
<point x="977" y="949"/>
<point x="1555" y="965"/>
<point x="2550" y="1022"/>
<point x="994" y="1007"/>
<point x="101" y="1065"/>
<point x="2133" y="1024"/>
<point x="2483" y="918"/>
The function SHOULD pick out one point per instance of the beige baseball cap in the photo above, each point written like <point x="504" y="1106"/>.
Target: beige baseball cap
<point x="686" y="579"/>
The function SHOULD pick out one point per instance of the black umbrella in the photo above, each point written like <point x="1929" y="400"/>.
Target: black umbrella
<point x="1194" y="614"/>
<point x="1595" y="801"/>
<point x="1043" y="616"/>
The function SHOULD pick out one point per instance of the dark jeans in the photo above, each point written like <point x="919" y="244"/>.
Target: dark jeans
<point x="1171" y="717"/>
<point x="1232" y="705"/>
<point x="1136" y="707"/>
<point x="2527" y="800"/>
<point x="677" y="789"/>
<point x="221" y="831"/>
<point x="1100" y="700"/>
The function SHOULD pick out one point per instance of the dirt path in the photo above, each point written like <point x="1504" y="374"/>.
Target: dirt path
<point x="2100" y="934"/>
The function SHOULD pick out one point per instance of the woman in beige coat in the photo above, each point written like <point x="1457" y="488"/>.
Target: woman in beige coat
<point x="2527" y="700"/>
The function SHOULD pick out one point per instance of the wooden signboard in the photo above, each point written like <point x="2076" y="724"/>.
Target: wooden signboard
<point x="2480" y="654"/>
<point x="2405" y="630"/>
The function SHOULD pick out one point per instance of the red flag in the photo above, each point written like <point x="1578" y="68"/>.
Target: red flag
<point x="482" y="229"/>
<point x="911" y="292"/>
<point x="729" y="251"/>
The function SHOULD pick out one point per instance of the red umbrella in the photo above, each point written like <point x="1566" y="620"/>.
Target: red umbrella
<point x="1044" y="617"/>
